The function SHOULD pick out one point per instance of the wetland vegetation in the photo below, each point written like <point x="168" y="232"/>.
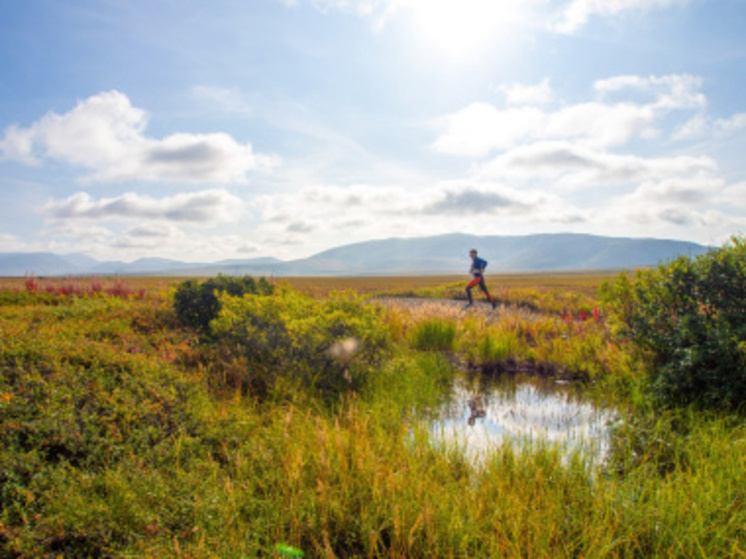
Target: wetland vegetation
<point x="333" y="417"/>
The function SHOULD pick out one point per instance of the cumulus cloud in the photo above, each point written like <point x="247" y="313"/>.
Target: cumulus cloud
<point x="157" y="231"/>
<point x="520" y="94"/>
<point x="576" y="13"/>
<point x="300" y="227"/>
<point x="480" y="128"/>
<point x="471" y="201"/>
<point x="573" y="165"/>
<point x="671" y="202"/>
<point x="674" y="91"/>
<point x="701" y="125"/>
<point x="569" y="147"/>
<point x="105" y="134"/>
<point x="206" y="207"/>
<point x="733" y="195"/>
<point x="681" y="191"/>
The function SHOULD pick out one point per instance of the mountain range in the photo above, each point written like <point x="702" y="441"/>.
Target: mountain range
<point x="443" y="254"/>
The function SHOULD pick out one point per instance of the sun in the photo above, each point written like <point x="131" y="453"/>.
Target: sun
<point x="458" y="29"/>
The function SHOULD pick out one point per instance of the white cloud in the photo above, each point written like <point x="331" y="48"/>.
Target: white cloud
<point x="106" y="135"/>
<point x="736" y="122"/>
<point x="11" y="243"/>
<point x="695" y="127"/>
<point x="519" y="94"/>
<point x="673" y="91"/>
<point x="685" y="190"/>
<point x="481" y="128"/>
<point x="472" y="201"/>
<point x="734" y="196"/>
<point x="324" y="216"/>
<point x="148" y="236"/>
<point x="701" y="125"/>
<point x="644" y="104"/>
<point x="208" y="207"/>
<point x="17" y="145"/>
<point x="576" y="13"/>
<point x="671" y="203"/>
<point x="571" y="165"/>
<point x="81" y="231"/>
<point x="482" y="16"/>
<point x="158" y="231"/>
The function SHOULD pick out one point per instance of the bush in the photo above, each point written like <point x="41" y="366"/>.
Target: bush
<point x="689" y="318"/>
<point x="292" y="341"/>
<point x="197" y="304"/>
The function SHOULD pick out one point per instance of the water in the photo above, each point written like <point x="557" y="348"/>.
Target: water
<point x="481" y="416"/>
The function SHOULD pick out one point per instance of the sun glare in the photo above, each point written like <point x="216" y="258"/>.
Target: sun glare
<point x="458" y="29"/>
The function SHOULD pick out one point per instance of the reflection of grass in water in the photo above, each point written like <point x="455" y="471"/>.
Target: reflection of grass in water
<point x="522" y="411"/>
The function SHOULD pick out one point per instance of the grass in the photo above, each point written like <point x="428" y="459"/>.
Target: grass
<point x="123" y="436"/>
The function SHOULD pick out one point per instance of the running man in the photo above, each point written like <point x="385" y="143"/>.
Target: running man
<point x="477" y="270"/>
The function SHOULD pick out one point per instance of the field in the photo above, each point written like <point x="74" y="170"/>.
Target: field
<point x="586" y="282"/>
<point x="298" y="423"/>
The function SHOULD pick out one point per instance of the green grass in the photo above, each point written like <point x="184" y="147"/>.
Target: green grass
<point x="435" y="334"/>
<point x="125" y="435"/>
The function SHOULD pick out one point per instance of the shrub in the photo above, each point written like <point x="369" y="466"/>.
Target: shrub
<point x="292" y="341"/>
<point x="689" y="318"/>
<point x="197" y="304"/>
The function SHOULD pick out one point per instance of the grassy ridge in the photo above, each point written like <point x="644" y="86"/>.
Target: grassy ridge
<point x="124" y="435"/>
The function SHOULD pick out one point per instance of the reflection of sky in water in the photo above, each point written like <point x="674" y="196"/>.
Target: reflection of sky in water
<point x="527" y="411"/>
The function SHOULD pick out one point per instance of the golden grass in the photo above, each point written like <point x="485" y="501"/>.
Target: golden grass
<point x="583" y="282"/>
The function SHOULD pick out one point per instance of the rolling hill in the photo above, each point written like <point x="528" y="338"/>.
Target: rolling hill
<point x="444" y="254"/>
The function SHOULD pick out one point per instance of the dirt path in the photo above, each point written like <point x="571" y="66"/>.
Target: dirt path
<point x="451" y="308"/>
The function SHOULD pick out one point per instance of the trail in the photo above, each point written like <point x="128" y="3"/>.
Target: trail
<point x="452" y="308"/>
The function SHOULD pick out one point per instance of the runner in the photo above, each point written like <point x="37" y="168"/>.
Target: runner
<point x="477" y="270"/>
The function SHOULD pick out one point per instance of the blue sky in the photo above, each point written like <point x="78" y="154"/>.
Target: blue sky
<point x="237" y="129"/>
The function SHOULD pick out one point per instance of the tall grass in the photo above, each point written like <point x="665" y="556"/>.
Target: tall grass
<point x="436" y="334"/>
<point x="121" y="438"/>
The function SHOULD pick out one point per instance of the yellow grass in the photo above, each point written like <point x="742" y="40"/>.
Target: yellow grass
<point x="583" y="282"/>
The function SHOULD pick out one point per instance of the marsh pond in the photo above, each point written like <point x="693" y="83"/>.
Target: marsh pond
<point x="481" y="414"/>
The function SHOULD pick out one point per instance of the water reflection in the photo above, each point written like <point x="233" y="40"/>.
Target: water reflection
<point x="480" y="416"/>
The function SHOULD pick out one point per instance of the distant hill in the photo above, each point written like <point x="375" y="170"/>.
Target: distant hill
<point x="449" y="254"/>
<point x="444" y="254"/>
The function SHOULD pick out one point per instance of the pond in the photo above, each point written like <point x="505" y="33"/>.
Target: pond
<point x="481" y="414"/>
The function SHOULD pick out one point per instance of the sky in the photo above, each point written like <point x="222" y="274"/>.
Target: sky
<point x="226" y="129"/>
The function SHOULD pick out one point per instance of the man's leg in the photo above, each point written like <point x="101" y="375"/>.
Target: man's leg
<point x="483" y="287"/>
<point x="473" y="283"/>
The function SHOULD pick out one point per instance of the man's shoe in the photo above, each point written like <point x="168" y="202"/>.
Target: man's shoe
<point x="468" y="305"/>
<point x="494" y="305"/>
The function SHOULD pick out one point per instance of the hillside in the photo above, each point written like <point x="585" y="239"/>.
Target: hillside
<point x="444" y="254"/>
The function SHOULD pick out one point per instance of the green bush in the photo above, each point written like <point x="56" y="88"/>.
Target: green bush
<point x="689" y="318"/>
<point x="291" y="341"/>
<point x="197" y="304"/>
